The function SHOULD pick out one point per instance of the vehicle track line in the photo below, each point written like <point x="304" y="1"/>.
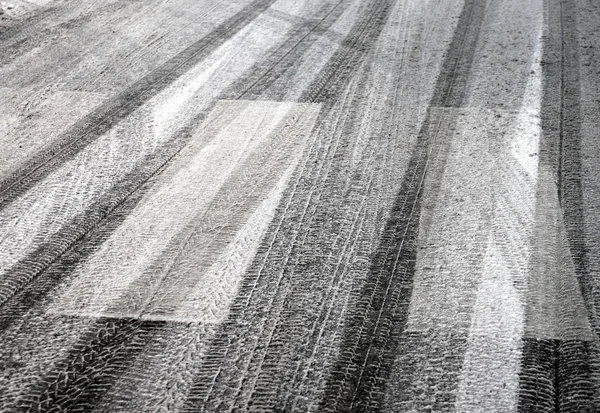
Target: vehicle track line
<point x="358" y="380"/>
<point x="327" y="87"/>
<point x="557" y="375"/>
<point x="14" y="296"/>
<point x="110" y="113"/>
<point x="62" y="265"/>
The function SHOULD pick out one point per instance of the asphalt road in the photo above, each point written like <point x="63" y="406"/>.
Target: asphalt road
<point x="300" y="206"/>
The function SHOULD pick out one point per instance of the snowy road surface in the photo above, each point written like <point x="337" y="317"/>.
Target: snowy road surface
<point x="300" y="206"/>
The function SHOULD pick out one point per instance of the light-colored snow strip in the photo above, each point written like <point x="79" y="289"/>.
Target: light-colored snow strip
<point x="490" y="373"/>
<point x="516" y="252"/>
<point x="474" y="262"/>
<point x="210" y="298"/>
<point x="296" y="8"/>
<point x="31" y="220"/>
<point x="489" y="378"/>
<point x="555" y="306"/>
<point x="185" y="196"/>
<point x="315" y="59"/>
<point x="455" y="221"/>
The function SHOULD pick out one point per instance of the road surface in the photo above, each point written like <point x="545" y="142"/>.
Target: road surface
<point x="300" y="206"/>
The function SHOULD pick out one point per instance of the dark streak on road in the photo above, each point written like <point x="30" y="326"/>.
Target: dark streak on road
<point x="53" y="263"/>
<point x="556" y="374"/>
<point x="124" y="104"/>
<point x="373" y="332"/>
<point x="15" y="49"/>
<point x="375" y="327"/>
<point x="104" y="351"/>
<point x="110" y="210"/>
<point x="327" y="88"/>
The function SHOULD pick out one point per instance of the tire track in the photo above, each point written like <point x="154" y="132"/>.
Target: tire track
<point x="329" y="316"/>
<point x="30" y="266"/>
<point x="87" y="238"/>
<point x="225" y="371"/>
<point x="560" y="375"/>
<point x="288" y="67"/>
<point x="105" y="351"/>
<point x="334" y="77"/>
<point x="112" y="112"/>
<point x="373" y="332"/>
<point x="132" y="185"/>
<point x="10" y="52"/>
